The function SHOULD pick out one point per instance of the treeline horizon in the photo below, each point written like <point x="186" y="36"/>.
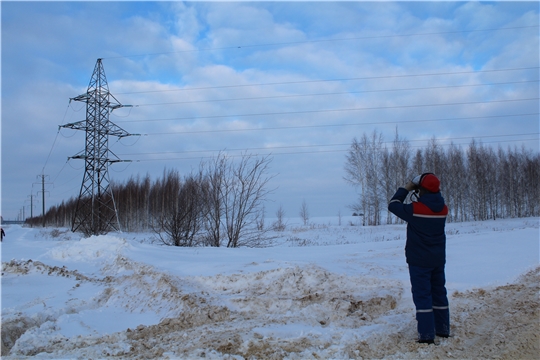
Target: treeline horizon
<point x="223" y="203"/>
<point x="477" y="183"/>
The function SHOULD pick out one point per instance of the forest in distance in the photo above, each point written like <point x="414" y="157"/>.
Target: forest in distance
<point x="222" y="203"/>
<point x="478" y="182"/>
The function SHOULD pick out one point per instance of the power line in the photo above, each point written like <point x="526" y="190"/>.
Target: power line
<point x="331" y="110"/>
<point x="325" y="40"/>
<point x="332" y="151"/>
<point x="328" y="145"/>
<point x="332" y="80"/>
<point x="318" y="152"/>
<point x="322" y="126"/>
<point x="338" y="125"/>
<point x="54" y="142"/>
<point x="338" y="93"/>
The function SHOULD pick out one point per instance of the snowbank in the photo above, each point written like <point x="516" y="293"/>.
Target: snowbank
<point x="322" y="291"/>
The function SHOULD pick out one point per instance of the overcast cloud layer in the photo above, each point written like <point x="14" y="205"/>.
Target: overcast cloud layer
<point x="298" y="80"/>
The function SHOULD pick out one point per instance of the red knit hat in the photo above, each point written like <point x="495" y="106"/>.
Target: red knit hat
<point x="430" y="182"/>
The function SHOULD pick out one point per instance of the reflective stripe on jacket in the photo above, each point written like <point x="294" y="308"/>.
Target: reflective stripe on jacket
<point x="426" y="219"/>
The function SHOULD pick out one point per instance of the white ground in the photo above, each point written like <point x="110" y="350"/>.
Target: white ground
<point x="320" y="291"/>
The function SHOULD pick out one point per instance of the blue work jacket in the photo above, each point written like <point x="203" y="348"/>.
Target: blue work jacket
<point x="426" y="218"/>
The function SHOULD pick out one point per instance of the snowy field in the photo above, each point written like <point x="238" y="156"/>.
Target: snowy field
<point x="323" y="291"/>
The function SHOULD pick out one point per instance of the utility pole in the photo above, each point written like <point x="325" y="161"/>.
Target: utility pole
<point x="43" y="176"/>
<point x="31" y="205"/>
<point x="31" y="196"/>
<point x="95" y="211"/>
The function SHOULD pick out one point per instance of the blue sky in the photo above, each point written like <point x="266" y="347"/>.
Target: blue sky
<point x="240" y="66"/>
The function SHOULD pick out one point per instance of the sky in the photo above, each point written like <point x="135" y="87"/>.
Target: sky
<point x="294" y="80"/>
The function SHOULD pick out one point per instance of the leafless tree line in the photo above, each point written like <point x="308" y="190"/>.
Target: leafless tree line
<point x="221" y="204"/>
<point x="478" y="182"/>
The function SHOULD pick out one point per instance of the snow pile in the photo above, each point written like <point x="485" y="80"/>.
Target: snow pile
<point x="93" y="248"/>
<point x="310" y="295"/>
<point x="323" y="291"/>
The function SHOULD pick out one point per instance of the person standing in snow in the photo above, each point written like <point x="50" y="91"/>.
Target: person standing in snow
<point x="425" y="251"/>
<point x="2" y="234"/>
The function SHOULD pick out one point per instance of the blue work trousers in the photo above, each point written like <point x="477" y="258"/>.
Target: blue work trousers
<point x="430" y="300"/>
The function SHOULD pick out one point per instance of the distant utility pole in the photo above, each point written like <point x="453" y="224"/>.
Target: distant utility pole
<point x="31" y="205"/>
<point x="43" y="176"/>
<point x="96" y="211"/>
<point x="31" y="196"/>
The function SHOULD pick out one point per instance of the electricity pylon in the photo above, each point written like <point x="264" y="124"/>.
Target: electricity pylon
<point x="95" y="213"/>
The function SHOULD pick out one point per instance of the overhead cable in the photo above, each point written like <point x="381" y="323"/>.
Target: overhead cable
<point x="338" y="125"/>
<point x="332" y="80"/>
<point x="327" y="145"/>
<point x="331" y="110"/>
<point x="335" y="93"/>
<point x="314" y="152"/>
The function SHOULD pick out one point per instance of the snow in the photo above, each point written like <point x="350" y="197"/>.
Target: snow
<point x="322" y="290"/>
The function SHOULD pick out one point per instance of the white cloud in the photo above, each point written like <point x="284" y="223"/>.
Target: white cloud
<point x="190" y="61"/>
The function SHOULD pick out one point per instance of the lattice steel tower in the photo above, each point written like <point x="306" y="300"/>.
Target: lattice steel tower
<point x="95" y="212"/>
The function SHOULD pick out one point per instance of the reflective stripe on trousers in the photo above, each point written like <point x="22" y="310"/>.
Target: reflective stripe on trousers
<point x="429" y="296"/>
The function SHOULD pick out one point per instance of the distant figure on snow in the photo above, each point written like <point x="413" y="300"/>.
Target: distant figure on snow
<point x="2" y="234"/>
<point x="425" y="251"/>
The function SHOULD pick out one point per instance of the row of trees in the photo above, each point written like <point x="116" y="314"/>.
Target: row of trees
<point x="222" y="204"/>
<point x="478" y="183"/>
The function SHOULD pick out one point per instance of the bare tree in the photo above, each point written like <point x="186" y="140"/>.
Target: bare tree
<point x="456" y="184"/>
<point x="260" y="218"/>
<point x="418" y="162"/>
<point x="363" y="169"/>
<point x="387" y="174"/>
<point x="531" y="173"/>
<point x="514" y="182"/>
<point x="279" y="224"/>
<point x="181" y="224"/>
<point x="246" y="187"/>
<point x="304" y="212"/>
<point x="400" y="171"/>
<point x="235" y="194"/>
<point x="434" y="158"/>
<point x="479" y="178"/>
<point x="355" y="173"/>
<point x="215" y="193"/>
